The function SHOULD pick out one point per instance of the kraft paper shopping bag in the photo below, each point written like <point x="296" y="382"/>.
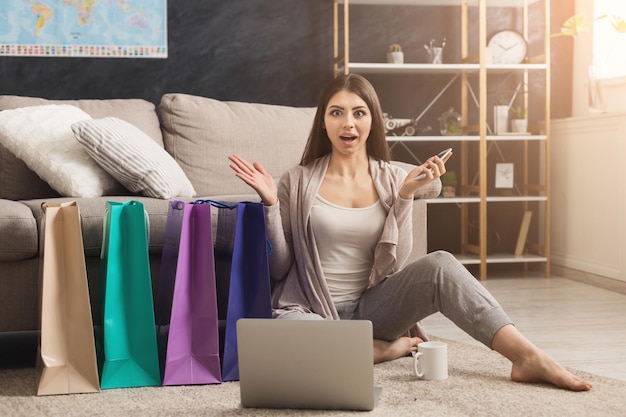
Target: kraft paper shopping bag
<point x="67" y="355"/>
<point x="241" y="246"/>
<point x="129" y="356"/>
<point x="192" y="355"/>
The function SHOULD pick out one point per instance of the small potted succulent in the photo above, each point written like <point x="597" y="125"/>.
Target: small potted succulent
<point x="519" y="123"/>
<point x="448" y="184"/>
<point x="395" y="54"/>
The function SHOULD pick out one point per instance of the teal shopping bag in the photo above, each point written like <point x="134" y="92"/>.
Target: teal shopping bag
<point x="128" y="356"/>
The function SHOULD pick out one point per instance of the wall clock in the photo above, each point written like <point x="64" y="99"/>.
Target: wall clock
<point x="508" y="47"/>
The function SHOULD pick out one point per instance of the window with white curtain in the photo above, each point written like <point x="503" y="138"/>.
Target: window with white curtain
<point x="609" y="45"/>
<point x="599" y="60"/>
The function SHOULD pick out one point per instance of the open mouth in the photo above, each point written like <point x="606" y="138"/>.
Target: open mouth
<point x="348" y="138"/>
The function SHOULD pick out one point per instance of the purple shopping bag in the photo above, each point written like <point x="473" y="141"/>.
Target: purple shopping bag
<point x="241" y="246"/>
<point x="192" y="353"/>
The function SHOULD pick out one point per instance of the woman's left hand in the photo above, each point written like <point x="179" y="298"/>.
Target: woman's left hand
<point x="432" y="169"/>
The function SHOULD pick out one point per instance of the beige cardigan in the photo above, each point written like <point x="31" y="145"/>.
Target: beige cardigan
<point x="295" y="267"/>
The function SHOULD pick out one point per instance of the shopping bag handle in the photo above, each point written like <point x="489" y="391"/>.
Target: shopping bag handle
<point x="217" y="204"/>
<point x="179" y="205"/>
<point x="220" y="204"/>
<point x="105" y="228"/>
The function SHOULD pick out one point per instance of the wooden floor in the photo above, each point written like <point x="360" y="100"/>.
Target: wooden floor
<point x="582" y="326"/>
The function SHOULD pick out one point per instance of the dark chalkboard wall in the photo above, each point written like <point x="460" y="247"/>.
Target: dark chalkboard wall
<point x="269" y="51"/>
<point x="276" y="51"/>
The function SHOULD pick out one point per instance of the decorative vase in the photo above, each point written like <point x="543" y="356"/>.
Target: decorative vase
<point x="395" y="57"/>
<point x="450" y="123"/>
<point x="596" y="101"/>
<point x="435" y="55"/>
<point x="501" y="118"/>
<point x="519" y="125"/>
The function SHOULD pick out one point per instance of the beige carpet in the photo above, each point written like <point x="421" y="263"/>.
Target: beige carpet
<point x="478" y="385"/>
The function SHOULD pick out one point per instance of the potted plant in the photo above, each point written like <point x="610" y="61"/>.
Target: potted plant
<point x="577" y="25"/>
<point x="450" y="123"/>
<point x="519" y="123"/>
<point x="395" y="54"/>
<point x="448" y="184"/>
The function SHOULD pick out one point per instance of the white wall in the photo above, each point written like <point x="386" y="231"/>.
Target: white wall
<point x="588" y="194"/>
<point x="588" y="173"/>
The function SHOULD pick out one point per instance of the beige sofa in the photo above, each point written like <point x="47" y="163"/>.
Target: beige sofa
<point x="199" y="133"/>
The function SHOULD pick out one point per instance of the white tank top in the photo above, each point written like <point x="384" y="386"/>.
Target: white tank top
<point x="346" y="239"/>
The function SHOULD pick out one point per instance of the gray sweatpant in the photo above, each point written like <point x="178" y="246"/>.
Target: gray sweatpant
<point x="435" y="282"/>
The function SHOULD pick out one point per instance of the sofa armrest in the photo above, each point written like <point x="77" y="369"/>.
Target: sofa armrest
<point x="18" y="232"/>
<point x="431" y="190"/>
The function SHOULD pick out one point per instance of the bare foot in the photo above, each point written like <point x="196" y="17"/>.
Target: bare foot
<point x="541" y="368"/>
<point x="531" y="364"/>
<point x="388" y="351"/>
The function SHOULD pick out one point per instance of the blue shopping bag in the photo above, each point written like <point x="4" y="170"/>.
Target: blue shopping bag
<point x="241" y="252"/>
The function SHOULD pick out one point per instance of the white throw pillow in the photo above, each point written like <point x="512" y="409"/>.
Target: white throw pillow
<point x="133" y="158"/>
<point x="42" y="137"/>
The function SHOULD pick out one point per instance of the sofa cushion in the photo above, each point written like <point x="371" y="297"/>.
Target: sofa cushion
<point x="200" y="133"/>
<point x="42" y="137"/>
<point x="18" y="232"/>
<point x="18" y="182"/>
<point x="132" y="158"/>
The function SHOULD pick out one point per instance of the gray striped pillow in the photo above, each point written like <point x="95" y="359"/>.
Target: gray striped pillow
<point x="133" y="158"/>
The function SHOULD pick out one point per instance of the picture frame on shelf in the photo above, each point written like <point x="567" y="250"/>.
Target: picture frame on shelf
<point x="505" y="175"/>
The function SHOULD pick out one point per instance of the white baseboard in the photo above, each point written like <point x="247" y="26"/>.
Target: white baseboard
<point x="589" y="278"/>
<point x="586" y="266"/>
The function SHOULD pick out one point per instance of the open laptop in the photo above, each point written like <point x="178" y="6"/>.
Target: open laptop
<point x="315" y="364"/>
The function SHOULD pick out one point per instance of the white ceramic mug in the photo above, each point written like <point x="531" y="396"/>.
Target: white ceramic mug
<point x="431" y="361"/>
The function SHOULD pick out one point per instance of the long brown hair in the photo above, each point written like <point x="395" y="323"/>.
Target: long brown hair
<point x="319" y="144"/>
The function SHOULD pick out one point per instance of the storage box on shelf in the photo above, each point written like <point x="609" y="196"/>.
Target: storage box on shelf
<point x="478" y="148"/>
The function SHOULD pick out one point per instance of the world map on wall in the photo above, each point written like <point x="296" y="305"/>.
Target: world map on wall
<point x="98" y="28"/>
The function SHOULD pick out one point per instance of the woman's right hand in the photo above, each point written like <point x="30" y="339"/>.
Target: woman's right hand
<point x="256" y="177"/>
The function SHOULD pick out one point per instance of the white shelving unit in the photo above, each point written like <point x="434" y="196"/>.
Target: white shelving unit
<point x="474" y="185"/>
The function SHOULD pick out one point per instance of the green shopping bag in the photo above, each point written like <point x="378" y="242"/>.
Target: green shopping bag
<point x="128" y="354"/>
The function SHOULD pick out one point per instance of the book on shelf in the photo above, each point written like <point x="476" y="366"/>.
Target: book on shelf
<point x="523" y="233"/>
